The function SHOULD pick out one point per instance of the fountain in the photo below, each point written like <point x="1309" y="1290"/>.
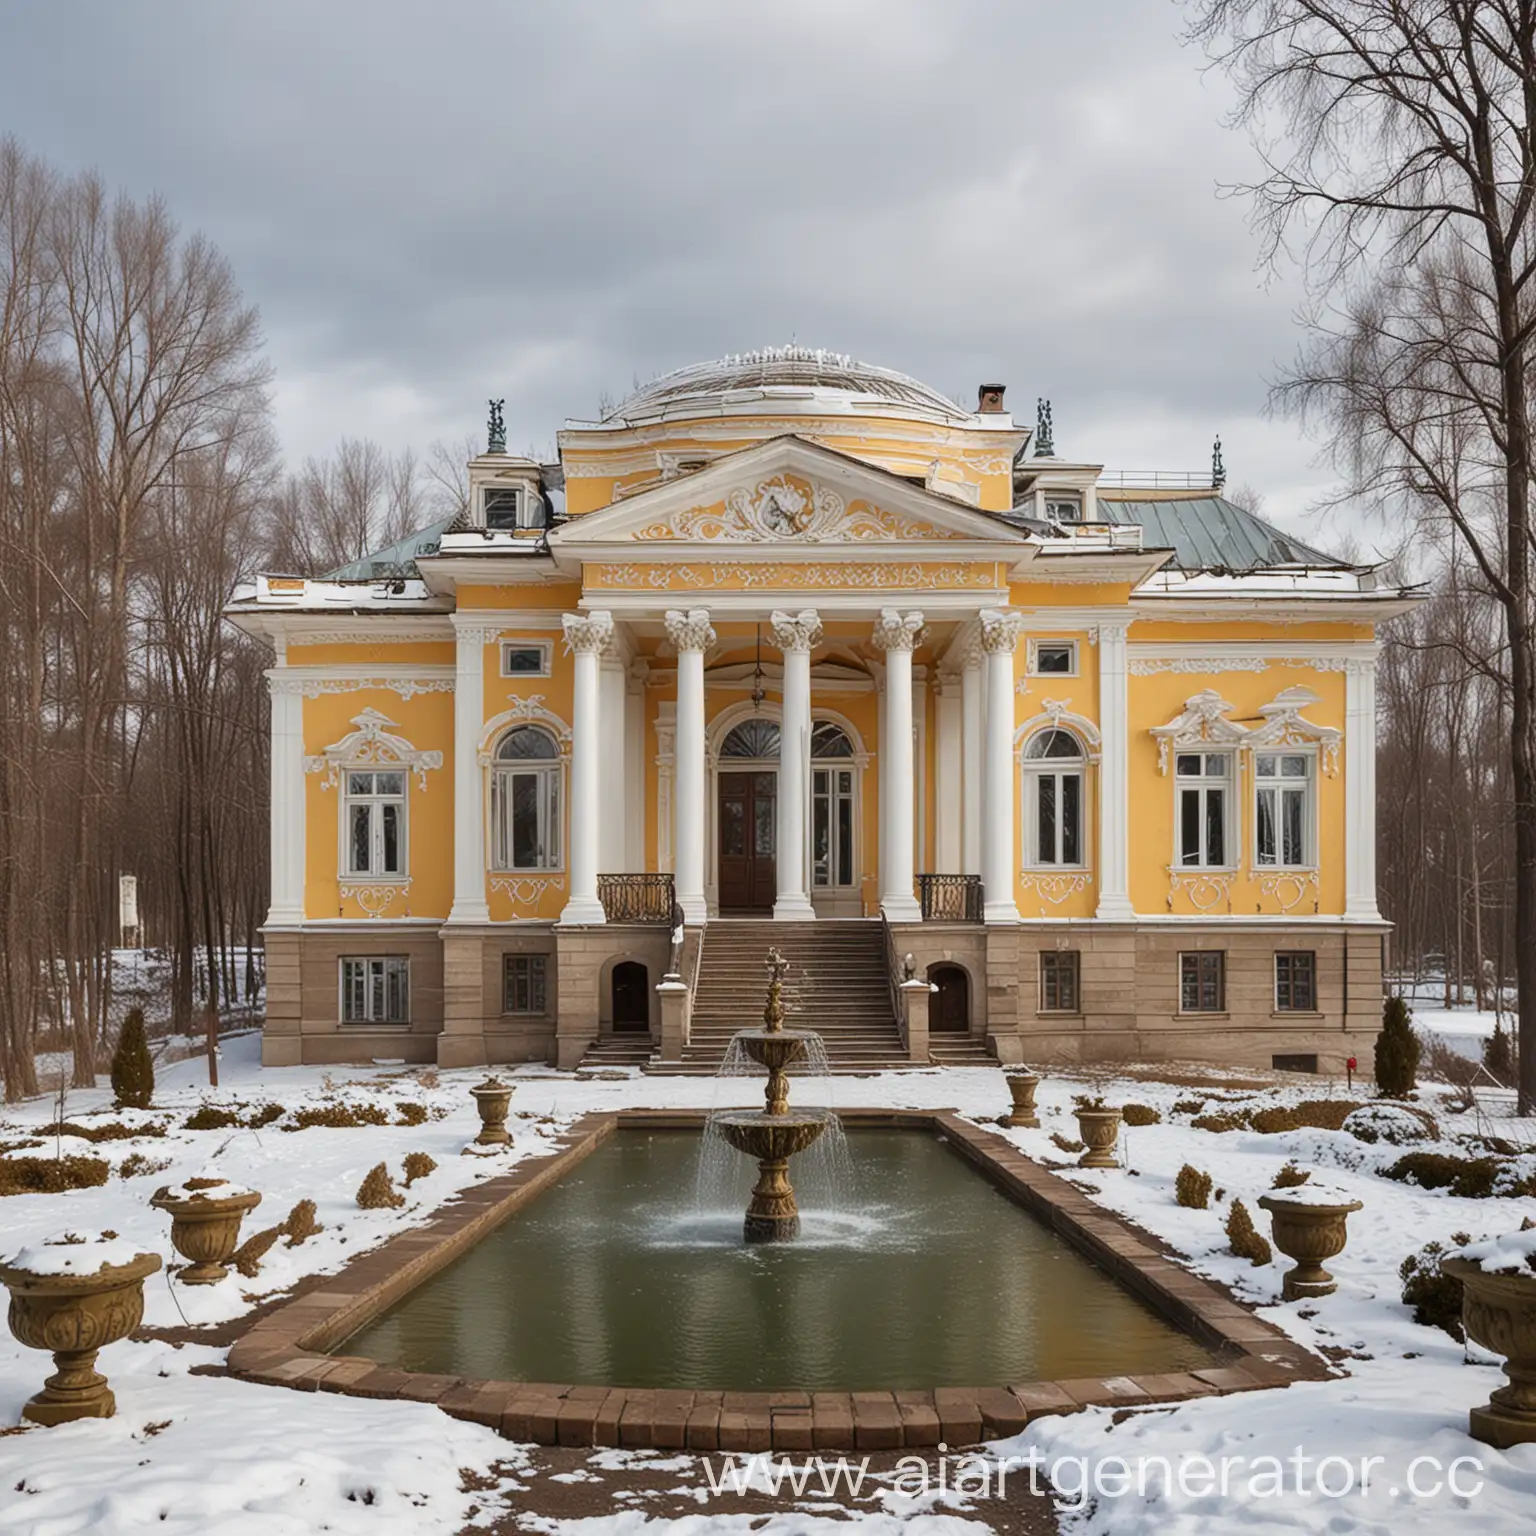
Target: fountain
<point x="773" y="1134"/>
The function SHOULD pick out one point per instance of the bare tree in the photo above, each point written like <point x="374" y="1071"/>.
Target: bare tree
<point x="1400" y="146"/>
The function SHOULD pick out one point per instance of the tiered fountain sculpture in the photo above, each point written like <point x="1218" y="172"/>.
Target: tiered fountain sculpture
<point x="774" y="1134"/>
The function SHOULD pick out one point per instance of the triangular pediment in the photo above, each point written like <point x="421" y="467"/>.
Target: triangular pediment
<point x="787" y="491"/>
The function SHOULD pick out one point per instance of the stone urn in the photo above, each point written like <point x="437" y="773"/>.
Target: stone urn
<point x="73" y="1299"/>
<point x="1022" y="1086"/>
<point x="1498" y="1310"/>
<point x="1100" y="1128"/>
<point x="1309" y="1226"/>
<point x="492" y="1098"/>
<point x="205" y="1224"/>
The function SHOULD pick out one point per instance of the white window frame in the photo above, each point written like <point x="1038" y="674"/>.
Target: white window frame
<point x="1034" y="657"/>
<point x="1058" y="499"/>
<point x="376" y="802"/>
<point x="1032" y="770"/>
<point x="1227" y="783"/>
<point x="524" y="507"/>
<point x="1308" y="787"/>
<point x="384" y="964"/>
<point x="551" y="802"/>
<point x="832" y="766"/>
<point x="545" y="648"/>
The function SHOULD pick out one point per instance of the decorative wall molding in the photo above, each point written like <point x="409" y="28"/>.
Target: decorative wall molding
<point x="315" y="684"/>
<point x="1056" y="886"/>
<point x="740" y="576"/>
<point x="1207" y="889"/>
<point x="1201" y="723"/>
<point x="370" y="745"/>
<point x="1285" y="726"/>
<point x="1056" y="715"/>
<point x="527" y="710"/>
<point x="526" y="890"/>
<point x="376" y="897"/>
<point x="1289" y="887"/>
<point x="1150" y="666"/>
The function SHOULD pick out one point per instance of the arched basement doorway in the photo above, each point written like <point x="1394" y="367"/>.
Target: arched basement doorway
<point x="631" y="998"/>
<point x="949" y="1008"/>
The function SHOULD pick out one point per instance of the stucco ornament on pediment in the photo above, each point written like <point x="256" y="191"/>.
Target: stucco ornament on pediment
<point x="1285" y="726"/>
<point x="1202" y="722"/>
<point x="371" y="745"/>
<point x="790" y="508"/>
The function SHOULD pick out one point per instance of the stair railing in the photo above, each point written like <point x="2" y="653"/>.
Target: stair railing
<point x="895" y="974"/>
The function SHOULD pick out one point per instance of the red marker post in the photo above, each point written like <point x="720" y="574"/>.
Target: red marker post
<point x="1349" y="1067"/>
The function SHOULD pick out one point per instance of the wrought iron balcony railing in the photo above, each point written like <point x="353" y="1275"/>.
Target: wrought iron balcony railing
<point x="636" y="898"/>
<point x="950" y="898"/>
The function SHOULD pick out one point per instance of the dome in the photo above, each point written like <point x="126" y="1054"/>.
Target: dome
<point x="786" y="380"/>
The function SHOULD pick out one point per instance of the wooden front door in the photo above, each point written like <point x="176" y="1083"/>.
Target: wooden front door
<point x="748" y="819"/>
<point x="949" y="1009"/>
<point x="631" y="997"/>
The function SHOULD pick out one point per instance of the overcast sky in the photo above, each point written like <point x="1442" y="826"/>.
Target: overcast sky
<point x="433" y="203"/>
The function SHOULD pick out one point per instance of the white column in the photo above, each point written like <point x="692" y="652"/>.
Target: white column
<point x="999" y="855"/>
<point x="796" y="635"/>
<point x="1114" y="776"/>
<point x="1360" y="786"/>
<point x="971" y="711"/>
<point x="691" y="633"/>
<point x="948" y="778"/>
<point x="634" y="767"/>
<point x="919" y="768"/>
<point x="287" y="797"/>
<point x="896" y="634"/>
<point x="587" y="636"/>
<point x="612" y="696"/>
<point x="469" y="905"/>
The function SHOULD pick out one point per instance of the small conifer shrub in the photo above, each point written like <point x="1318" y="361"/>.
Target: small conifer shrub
<point x="133" y="1073"/>
<point x="300" y="1223"/>
<point x="248" y="1256"/>
<point x="1434" y="1297"/>
<point x="1192" y="1188"/>
<point x="1244" y="1238"/>
<point x="417" y="1166"/>
<point x="1397" y="1051"/>
<point x="377" y="1191"/>
<point x="1290" y="1176"/>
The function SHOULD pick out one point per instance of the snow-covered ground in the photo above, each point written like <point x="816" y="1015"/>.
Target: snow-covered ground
<point x="195" y="1453"/>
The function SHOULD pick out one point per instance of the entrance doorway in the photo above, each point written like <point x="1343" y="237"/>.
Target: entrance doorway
<point x="949" y="1009"/>
<point x="748" y="823"/>
<point x="631" y="998"/>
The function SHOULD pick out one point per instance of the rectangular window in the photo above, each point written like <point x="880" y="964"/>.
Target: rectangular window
<point x="375" y="824"/>
<point x="1296" y="981"/>
<point x="505" y="509"/>
<point x="1064" y="510"/>
<point x="831" y="827"/>
<point x="1058" y="981"/>
<point x="523" y="984"/>
<point x="1203" y="981"/>
<point x="525" y="658"/>
<point x="375" y="989"/>
<point x="1282" y="815"/>
<point x="1203" y="787"/>
<point x="1053" y="658"/>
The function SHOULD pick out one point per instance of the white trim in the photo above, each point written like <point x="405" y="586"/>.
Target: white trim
<point x="1069" y="643"/>
<point x="287" y="791"/>
<point x="1360" y="790"/>
<point x="1310" y="798"/>
<point x="371" y="746"/>
<point x="545" y="648"/>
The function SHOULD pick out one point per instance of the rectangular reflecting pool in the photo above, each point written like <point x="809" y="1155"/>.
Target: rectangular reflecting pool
<point x="915" y="1271"/>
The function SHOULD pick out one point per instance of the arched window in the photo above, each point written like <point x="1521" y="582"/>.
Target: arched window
<point x="525" y="801"/>
<point x="832" y="806"/>
<point x="753" y="739"/>
<point x="1053" y="799"/>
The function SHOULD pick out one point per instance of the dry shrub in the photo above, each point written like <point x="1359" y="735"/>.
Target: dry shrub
<point x="1067" y="1144"/>
<point x="377" y="1191"/>
<point x="427" y="1077"/>
<point x="1188" y="1106"/>
<point x="1290" y="1176"/>
<point x="417" y="1165"/>
<point x="248" y="1256"/>
<point x="265" y="1116"/>
<point x="338" y="1117"/>
<point x="1473" y="1178"/>
<point x="211" y="1117"/>
<point x="1434" y="1297"/>
<point x="1244" y="1238"/>
<point x="412" y="1113"/>
<point x="1310" y="1114"/>
<point x="51" y="1175"/>
<point x="300" y="1223"/>
<point x="110" y="1130"/>
<point x="1192" y="1188"/>
<point x="1223" y="1120"/>
<point x="136" y="1165"/>
<point x="1140" y="1114"/>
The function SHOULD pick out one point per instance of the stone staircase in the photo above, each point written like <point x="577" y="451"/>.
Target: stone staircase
<point x="837" y="985"/>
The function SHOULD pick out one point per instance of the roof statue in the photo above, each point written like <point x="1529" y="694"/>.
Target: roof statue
<point x="496" y="429"/>
<point x="1044" y="447"/>
<point x="1218" y="465"/>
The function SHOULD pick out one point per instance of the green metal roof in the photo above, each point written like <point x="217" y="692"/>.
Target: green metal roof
<point x="1210" y="533"/>
<point x="397" y="559"/>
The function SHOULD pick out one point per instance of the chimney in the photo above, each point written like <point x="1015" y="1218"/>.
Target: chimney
<point x="989" y="400"/>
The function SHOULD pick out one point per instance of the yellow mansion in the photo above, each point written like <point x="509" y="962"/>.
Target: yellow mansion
<point x="1014" y="759"/>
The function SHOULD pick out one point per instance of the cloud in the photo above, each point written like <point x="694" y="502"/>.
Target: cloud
<point x="436" y="204"/>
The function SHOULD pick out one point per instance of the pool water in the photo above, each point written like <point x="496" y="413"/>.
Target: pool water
<point x="917" y="1272"/>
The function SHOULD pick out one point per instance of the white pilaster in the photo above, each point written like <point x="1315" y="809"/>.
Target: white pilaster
<point x="634" y="767"/>
<point x="287" y="797"/>
<point x="471" y="638"/>
<point x="796" y="635"/>
<point x="999" y="855"/>
<point x="1360" y="787"/>
<point x="948" y="776"/>
<point x="587" y="636"/>
<point x="1114" y="776"/>
<point x="972" y="697"/>
<point x="691" y="633"/>
<point x="612" y="702"/>
<point x="896" y="634"/>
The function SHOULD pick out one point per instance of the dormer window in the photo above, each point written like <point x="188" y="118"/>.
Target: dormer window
<point x="507" y="509"/>
<point x="1064" y="509"/>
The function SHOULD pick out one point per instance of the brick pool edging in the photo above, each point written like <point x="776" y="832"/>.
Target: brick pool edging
<point x="288" y="1347"/>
